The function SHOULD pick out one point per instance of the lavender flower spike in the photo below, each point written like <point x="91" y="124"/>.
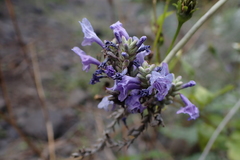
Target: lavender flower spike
<point x="119" y="31"/>
<point x="189" y="109"/>
<point x="189" y="84"/>
<point x="86" y="59"/>
<point x="89" y="34"/>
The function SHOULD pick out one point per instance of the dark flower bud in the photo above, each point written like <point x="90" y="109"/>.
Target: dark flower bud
<point x="147" y="47"/>
<point x="185" y="9"/>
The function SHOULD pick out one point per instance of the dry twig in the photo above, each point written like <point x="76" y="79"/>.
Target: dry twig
<point x="10" y="117"/>
<point x="41" y="96"/>
<point x="35" y="76"/>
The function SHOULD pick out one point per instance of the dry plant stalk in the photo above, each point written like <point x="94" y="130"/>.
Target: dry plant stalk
<point x="41" y="95"/>
<point x="35" y="76"/>
<point x="10" y="117"/>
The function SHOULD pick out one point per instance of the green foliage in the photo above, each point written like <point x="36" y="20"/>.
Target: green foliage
<point x="211" y="156"/>
<point x="189" y="134"/>
<point x="233" y="145"/>
<point x="185" y="9"/>
<point x="204" y="133"/>
<point x="202" y="96"/>
<point x="161" y="18"/>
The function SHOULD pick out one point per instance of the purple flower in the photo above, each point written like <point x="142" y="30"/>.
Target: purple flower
<point x="140" y="41"/>
<point x="189" y="84"/>
<point x="86" y="59"/>
<point x="96" y="77"/>
<point x="105" y="103"/>
<point x="141" y="55"/>
<point x="133" y="104"/>
<point x="161" y="81"/>
<point x="163" y="70"/>
<point x="189" y="109"/>
<point x="119" y="31"/>
<point x="144" y="92"/>
<point x="110" y="71"/>
<point x="89" y="34"/>
<point x="144" y="48"/>
<point x="124" y="85"/>
<point x="118" y="76"/>
<point x="136" y="63"/>
<point x="124" y="54"/>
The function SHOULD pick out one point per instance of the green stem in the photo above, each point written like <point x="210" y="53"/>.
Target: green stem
<point x="155" y="46"/>
<point x="190" y="33"/>
<point x="175" y="36"/>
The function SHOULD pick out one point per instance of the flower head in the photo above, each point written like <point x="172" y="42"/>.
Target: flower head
<point x="189" y="109"/>
<point x="185" y="9"/>
<point x="89" y="34"/>
<point x="86" y="59"/>
<point x="119" y="31"/>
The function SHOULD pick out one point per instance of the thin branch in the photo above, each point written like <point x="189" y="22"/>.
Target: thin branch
<point x="19" y="38"/>
<point x="41" y="96"/>
<point x="99" y="122"/>
<point x="196" y="26"/>
<point x="10" y="118"/>
<point x="219" y="129"/>
<point x="35" y="76"/>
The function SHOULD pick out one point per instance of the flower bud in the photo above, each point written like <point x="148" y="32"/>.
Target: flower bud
<point x="185" y="9"/>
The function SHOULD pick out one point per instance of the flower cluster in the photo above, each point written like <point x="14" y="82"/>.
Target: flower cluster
<point x="138" y="85"/>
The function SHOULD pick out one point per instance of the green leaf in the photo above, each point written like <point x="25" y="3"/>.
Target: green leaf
<point x="202" y="96"/>
<point x="160" y="19"/>
<point x="224" y="90"/>
<point x="205" y="97"/>
<point x="233" y="145"/>
<point x="215" y="119"/>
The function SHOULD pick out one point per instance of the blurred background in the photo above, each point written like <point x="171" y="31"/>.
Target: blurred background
<point x="36" y="57"/>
